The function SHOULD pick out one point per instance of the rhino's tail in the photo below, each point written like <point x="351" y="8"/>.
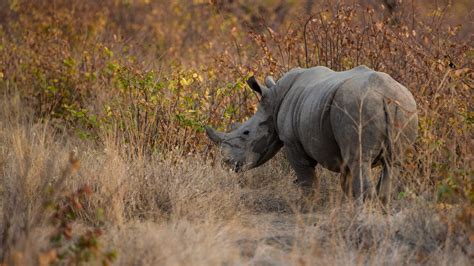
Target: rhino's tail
<point x="387" y="149"/>
<point x="388" y="153"/>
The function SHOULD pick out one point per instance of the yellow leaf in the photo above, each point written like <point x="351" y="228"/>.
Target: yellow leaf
<point x="184" y="82"/>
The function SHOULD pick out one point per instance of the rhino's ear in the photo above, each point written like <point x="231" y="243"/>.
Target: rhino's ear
<point x="256" y="87"/>
<point x="214" y="135"/>
<point x="269" y="82"/>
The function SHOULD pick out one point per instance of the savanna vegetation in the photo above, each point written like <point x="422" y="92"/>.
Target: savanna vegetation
<point x="104" y="160"/>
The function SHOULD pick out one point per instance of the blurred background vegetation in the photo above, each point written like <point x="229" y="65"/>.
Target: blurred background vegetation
<point x="148" y="75"/>
<point x="151" y="74"/>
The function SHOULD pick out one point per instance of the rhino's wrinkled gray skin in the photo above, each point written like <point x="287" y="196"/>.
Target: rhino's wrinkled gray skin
<point x="346" y="121"/>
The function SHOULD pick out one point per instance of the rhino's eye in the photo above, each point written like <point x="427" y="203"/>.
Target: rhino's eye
<point x="246" y="132"/>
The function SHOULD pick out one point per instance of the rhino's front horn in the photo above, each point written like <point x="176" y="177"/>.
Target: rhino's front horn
<point x="214" y="135"/>
<point x="269" y="82"/>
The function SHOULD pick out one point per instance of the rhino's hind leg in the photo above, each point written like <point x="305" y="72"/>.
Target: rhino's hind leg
<point x="358" y="123"/>
<point x="345" y="181"/>
<point x="356" y="186"/>
<point x="357" y="181"/>
<point x="384" y="184"/>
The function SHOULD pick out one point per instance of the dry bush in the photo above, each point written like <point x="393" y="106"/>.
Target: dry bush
<point x="414" y="235"/>
<point x="176" y="243"/>
<point x="426" y="55"/>
<point x="177" y="210"/>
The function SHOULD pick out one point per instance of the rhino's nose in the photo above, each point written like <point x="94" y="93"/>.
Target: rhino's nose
<point x="227" y="161"/>
<point x="238" y="167"/>
<point x="234" y="165"/>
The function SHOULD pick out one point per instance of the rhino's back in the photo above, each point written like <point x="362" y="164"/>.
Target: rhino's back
<point x="303" y="118"/>
<point x="316" y="92"/>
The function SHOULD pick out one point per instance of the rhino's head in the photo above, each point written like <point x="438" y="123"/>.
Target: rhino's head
<point x="255" y="141"/>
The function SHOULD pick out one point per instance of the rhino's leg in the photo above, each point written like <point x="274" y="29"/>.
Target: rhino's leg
<point x="303" y="166"/>
<point x="384" y="184"/>
<point x="345" y="181"/>
<point x="357" y="165"/>
<point x="358" y="126"/>
<point x="358" y="179"/>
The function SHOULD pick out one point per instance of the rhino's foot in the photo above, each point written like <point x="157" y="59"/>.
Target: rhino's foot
<point x="309" y="198"/>
<point x="303" y="183"/>
<point x="305" y="187"/>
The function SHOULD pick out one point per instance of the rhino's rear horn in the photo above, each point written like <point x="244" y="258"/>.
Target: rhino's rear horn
<point x="214" y="135"/>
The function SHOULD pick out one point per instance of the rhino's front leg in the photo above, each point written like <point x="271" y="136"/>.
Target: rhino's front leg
<point x="303" y="166"/>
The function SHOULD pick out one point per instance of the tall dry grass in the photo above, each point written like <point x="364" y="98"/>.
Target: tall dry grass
<point x="103" y="157"/>
<point x="179" y="210"/>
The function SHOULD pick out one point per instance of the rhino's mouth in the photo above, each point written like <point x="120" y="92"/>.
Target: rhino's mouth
<point x="235" y="166"/>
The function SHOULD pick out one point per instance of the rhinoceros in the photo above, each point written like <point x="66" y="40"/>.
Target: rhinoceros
<point x="348" y="122"/>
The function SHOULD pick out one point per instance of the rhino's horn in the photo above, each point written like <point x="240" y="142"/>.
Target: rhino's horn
<point x="214" y="135"/>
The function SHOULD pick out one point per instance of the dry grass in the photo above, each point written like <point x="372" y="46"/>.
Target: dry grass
<point x="180" y="211"/>
<point x="103" y="157"/>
